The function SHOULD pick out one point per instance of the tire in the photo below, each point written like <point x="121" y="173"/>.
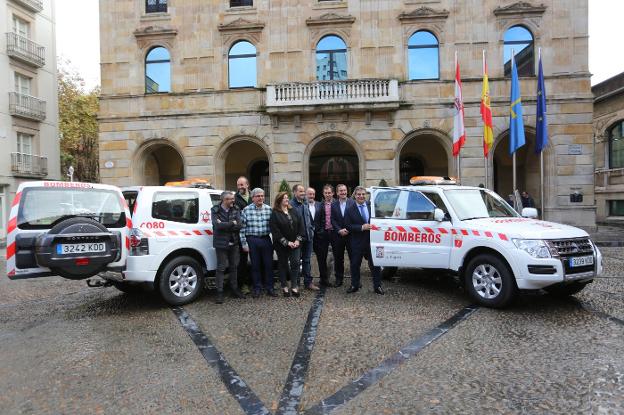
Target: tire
<point x="127" y="287"/>
<point x="185" y="270"/>
<point x="388" y="273"/>
<point x="489" y="281"/>
<point x="566" y="290"/>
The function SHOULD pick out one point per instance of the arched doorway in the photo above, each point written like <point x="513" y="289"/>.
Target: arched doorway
<point x="333" y="161"/>
<point x="161" y="163"/>
<point x="423" y="155"/>
<point x="527" y="168"/>
<point x="249" y="159"/>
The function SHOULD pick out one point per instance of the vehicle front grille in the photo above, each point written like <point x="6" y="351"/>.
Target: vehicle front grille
<point x="572" y="247"/>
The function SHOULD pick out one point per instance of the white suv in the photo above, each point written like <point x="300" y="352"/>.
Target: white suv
<point x="170" y="241"/>
<point x="476" y="234"/>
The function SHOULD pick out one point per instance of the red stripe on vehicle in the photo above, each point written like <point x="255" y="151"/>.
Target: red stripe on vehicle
<point x="187" y="233"/>
<point x="17" y="198"/>
<point x="502" y="236"/>
<point x="475" y="233"/>
<point x="375" y="227"/>
<point x="174" y="233"/>
<point x="429" y="230"/>
<point x="442" y="230"/>
<point x="146" y="234"/>
<point x="454" y="231"/>
<point x="464" y="232"/>
<point x="127" y="243"/>
<point x="488" y="234"/>
<point x="415" y="229"/>
<point x="128" y="223"/>
<point x="196" y="232"/>
<point x="159" y="233"/>
<point x="208" y="231"/>
<point x="10" y="251"/>
<point x="11" y="273"/>
<point x="401" y="229"/>
<point x="11" y="225"/>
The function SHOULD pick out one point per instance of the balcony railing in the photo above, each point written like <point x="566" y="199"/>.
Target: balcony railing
<point x="361" y="91"/>
<point x="605" y="176"/>
<point x="26" y="106"/>
<point x="24" y="49"/>
<point x="33" y="5"/>
<point x="29" y="165"/>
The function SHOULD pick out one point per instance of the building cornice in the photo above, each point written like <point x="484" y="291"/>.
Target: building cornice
<point x="241" y="25"/>
<point x="521" y="8"/>
<point x="330" y="19"/>
<point x="423" y="13"/>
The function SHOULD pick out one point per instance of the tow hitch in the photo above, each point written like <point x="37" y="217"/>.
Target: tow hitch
<point x="99" y="283"/>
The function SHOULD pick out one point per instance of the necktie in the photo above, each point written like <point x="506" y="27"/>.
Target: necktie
<point x="363" y="213"/>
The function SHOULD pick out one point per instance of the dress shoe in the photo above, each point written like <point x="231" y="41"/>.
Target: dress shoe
<point x="295" y="293"/>
<point x="312" y="287"/>
<point x="285" y="292"/>
<point x="338" y="284"/>
<point x="238" y="294"/>
<point x="351" y="290"/>
<point x="379" y="290"/>
<point x="219" y="299"/>
<point x="326" y="284"/>
<point x="271" y="293"/>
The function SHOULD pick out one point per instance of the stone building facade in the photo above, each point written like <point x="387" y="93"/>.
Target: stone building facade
<point x="28" y="98"/>
<point x="172" y="104"/>
<point x="609" y="136"/>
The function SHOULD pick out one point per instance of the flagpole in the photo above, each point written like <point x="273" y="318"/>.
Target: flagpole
<point x="513" y="59"/>
<point x="459" y="154"/>
<point x="486" y="156"/>
<point x="539" y="54"/>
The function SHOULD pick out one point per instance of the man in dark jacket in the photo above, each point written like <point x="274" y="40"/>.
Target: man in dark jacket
<point x="323" y="233"/>
<point x="357" y="219"/>
<point x="342" y="237"/>
<point x="243" y="198"/>
<point x="300" y="204"/>
<point x="226" y="223"/>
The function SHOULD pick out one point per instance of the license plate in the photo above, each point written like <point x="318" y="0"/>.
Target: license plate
<point x="86" y="248"/>
<point x="581" y="261"/>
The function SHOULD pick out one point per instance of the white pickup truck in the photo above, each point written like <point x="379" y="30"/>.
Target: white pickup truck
<point x="472" y="231"/>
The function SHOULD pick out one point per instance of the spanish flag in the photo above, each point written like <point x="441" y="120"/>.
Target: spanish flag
<point x="486" y="112"/>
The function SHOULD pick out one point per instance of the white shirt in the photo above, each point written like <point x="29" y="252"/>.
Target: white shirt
<point x="312" y="207"/>
<point x="343" y="206"/>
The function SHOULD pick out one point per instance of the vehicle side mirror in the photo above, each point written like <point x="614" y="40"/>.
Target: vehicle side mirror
<point x="438" y="214"/>
<point x="529" y="213"/>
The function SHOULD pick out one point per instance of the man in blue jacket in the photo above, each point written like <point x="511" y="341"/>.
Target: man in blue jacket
<point x="357" y="219"/>
<point x="342" y="237"/>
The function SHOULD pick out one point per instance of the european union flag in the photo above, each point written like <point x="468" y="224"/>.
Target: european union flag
<point x="516" y="126"/>
<point x="541" y="125"/>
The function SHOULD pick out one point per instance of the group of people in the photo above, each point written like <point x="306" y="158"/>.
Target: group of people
<point x="244" y="226"/>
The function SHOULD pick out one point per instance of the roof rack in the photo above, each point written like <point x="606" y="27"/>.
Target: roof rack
<point x="432" y="180"/>
<point x="195" y="183"/>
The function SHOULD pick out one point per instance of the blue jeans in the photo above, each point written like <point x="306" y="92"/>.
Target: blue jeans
<point x="261" y="255"/>
<point x="306" y="255"/>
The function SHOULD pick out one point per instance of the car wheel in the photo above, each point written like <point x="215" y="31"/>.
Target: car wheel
<point x="181" y="280"/>
<point x="566" y="290"/>
<point x="388" y="273"/>
<point x="489" y="281"/>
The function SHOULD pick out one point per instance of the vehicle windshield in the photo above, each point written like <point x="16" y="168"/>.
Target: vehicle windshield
<point x="477" y="204"/>
<point x="41" y="208"/>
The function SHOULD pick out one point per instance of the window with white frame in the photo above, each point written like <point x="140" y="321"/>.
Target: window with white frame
<point x="24" y="143"/>
<point x="21" y="27"/>
<point x="22" y="84"/>
<point x="2" y="212"/>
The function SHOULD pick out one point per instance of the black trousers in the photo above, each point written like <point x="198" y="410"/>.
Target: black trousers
<point x="356" y="261"/>
<point x="243" y="268"/>
<point x="322" y="242"/>
<point x="340" y="244"/>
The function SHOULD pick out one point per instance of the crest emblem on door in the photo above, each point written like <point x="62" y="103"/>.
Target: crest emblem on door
<point x="205" y="216"/>
<point x="458" y="243"/>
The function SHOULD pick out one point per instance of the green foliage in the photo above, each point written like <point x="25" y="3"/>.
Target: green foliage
<point x="285" y="187"/>
<point x="78" y="126"/>
<point x="383" y="183"/>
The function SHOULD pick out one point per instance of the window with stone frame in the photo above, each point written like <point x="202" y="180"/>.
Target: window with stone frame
<point x="518" y="41"/>
<point x="157" y="70"/>
<point x="423" y="56"/>
<point x="331" y="59"/>
<point x="616" y="146"/>
<point x="241" y="3"/>
<point x="155" y="6"/>
<point x="242" y="65"/>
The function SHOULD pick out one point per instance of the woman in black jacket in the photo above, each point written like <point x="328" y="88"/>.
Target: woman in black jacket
<point x="288" y="232"/>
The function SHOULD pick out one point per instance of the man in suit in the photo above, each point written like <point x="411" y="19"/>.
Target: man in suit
<point x="357" y="220"/>
<point x="323" y="232"/>
<point x="300" y="204"/>
<point x="342" y="237"/>
<point x="241" y="200"/>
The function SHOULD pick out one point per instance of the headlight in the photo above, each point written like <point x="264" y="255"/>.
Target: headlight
<point x="534" y="247"/>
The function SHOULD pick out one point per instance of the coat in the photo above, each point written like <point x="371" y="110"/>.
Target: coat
<point x="308" y="223"/>
<point x="360" y="240"/>
<point x="224" y="230"/>
<point x="337" y="219"/>
<point x="240" y="202"/>
<point x="285" y="229"/>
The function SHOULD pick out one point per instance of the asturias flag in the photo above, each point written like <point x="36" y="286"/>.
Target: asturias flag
<point x="459" y="131"/>
<point x="486" y="113"/>
<point x="516" y="125"/>
<point x="541" y="138"/>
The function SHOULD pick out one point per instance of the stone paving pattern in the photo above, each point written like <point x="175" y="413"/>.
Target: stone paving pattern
<point x="66" y="348"/>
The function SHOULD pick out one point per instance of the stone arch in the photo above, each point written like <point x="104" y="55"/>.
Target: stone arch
<point x="431" y="167"/>
<point x="324" y="138"/>
<point x="156" y="162"/>
<point x="236" y="156"/>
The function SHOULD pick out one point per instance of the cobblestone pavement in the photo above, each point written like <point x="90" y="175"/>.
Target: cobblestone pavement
<point x="67" y="349"/>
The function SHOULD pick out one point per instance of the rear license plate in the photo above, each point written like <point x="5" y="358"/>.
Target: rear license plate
<point x="581" y="261"/>
<point x="86" y="248"/>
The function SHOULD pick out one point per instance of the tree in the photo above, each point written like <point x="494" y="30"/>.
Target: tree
<point x="383" y="183"/>
<point x="78" y="127"/>
<point x="285" y="187"/>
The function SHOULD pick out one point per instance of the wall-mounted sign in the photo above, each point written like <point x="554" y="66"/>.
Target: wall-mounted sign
<point x="575" y="149"/>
